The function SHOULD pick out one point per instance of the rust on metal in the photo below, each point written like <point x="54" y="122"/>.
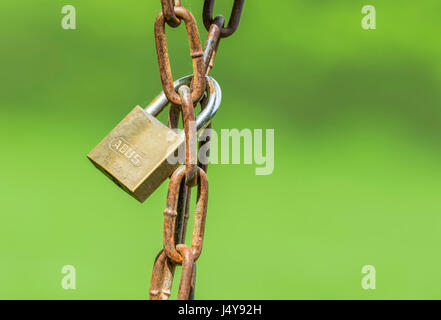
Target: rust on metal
<point x="176" y="213"/>
<point x="187" y="277"/>
<point x="198" y="84"/>
<point x="212" y="42"/>
<point x="233" y="23"/>
<point x="169" y="12"/>
<point x="163" y="272"/>
<point x="173" y="116"/>
<point x="184" y="191"/>
<point x="170" y="214"/>
<point x="162" y="277"/>
<point x="190" y="135"/>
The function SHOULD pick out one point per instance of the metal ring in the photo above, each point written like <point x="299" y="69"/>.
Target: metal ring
<point x="214" y="95"/>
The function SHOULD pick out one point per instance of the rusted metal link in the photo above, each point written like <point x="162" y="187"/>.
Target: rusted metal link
<point x="173" y="116"/>
<point x="233" y="23"/>
<point x="184" y="191"/>
<point x="197" y="86"/>
<point x="173" y="123"/>
<point x="169" y="12"/>
<point x="170" y="214"/>
<point x="210" y="51"/>
<point x="187" y="277"/>
<point x="206" y="144"/>
<point x="163" y="273"/>
<point x="162" y="277"/>
<point x="212" y="42"/>
<point x="182" y="210"/>
<point x="193" y="283"/>
<point x="190" y="135"/>
<point x="164" y="268"/>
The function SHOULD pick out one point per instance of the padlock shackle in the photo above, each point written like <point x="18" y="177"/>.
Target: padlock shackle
<point x="203" y="119"/>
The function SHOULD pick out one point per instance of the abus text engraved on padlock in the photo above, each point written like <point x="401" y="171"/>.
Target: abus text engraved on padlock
<point x="135" y="154"/>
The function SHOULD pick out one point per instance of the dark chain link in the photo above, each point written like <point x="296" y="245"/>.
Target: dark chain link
<point x="176" y="214"/>
<point x="236" y="13"/>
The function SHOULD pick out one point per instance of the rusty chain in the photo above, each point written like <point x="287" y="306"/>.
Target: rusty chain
<point x="176" y="213"/>
<point x="190" y="135"/>
<point x="198" y="83"/>
<point x="236" y="13"/>
<point x="170" y="214"/>
<point x="169" y="12"/>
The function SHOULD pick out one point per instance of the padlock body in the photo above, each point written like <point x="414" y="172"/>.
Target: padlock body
<point x="136" y="154"/>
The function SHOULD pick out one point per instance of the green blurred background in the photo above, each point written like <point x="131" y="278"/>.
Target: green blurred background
<point x="357" y="174"/>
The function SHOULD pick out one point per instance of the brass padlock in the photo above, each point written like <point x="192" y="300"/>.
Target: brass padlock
<point x="135" y="154"/>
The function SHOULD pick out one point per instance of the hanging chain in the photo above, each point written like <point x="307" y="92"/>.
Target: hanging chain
<point x="176" y="214"/>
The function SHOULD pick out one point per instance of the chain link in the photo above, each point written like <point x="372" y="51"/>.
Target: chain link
<point x="169" y="12"/>
<point x="170" y="214"/>
<point x="176" y="213"/>
<point x="233" y="24"/>
<point x="190" y="135"/>
<point x="198" y="83"/>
